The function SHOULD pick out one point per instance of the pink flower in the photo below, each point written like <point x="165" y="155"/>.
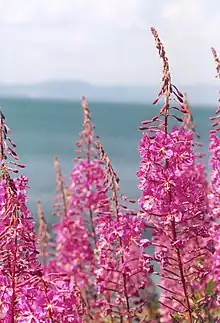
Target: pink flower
<point x="123" y="269"/>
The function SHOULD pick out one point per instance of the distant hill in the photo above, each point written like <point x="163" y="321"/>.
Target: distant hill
<point x="202" y="94"/>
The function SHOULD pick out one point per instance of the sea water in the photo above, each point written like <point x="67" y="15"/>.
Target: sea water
<point x="44" y="129"/>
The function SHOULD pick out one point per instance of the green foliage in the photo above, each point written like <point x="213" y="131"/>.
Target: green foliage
<point x="210" y="289"/>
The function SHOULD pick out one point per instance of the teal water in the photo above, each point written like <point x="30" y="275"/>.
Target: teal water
<point x="43" y="129"/>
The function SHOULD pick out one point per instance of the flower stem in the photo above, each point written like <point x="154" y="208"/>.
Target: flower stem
<point x="180" y="264"/>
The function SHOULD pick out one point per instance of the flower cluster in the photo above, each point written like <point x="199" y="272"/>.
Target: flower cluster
<point x="175" y="199"/>
<point x="26" y="294"/>
<point x="123" y="265"/>
<point x="214" y="196"/>
<point x="76" y="237"/>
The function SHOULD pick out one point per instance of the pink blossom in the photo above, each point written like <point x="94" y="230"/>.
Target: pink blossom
<point x="123" y="267"/>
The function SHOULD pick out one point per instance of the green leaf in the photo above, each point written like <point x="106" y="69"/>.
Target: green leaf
<point x="210" y="289"/>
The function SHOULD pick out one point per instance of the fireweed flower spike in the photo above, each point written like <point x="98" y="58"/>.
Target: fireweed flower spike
<point x="75" y="232"/>
<point x="20" y="273"/>
<point x="214" y="196"/>
<point x="71" y="244"/>
<point x="174" y="199"/>
<point x="87" y="191"/>
<point x="43" y="236"/>
<point x="123" y="267"/>
<point x="60" y="203"/>
<point x="87" y="175"/>
<point x="188" y="122"/>
<point x="18" y="255"/>
<point x="25" y="294"/>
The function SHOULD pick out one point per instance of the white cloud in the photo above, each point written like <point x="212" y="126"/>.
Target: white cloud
<point x="106" y="41"/>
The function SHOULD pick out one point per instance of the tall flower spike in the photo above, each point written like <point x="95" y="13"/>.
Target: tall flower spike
<point x="18" y="265"/>
<point x="188" y="121"/>
<point x="214" y="196"/>
<point x="217" y="62"/>
<point x="25" y="295"/>
<point x="87" y="190"/>
<point x="217" y="117"/>
<point x="174" y="199"/>
<point x="87" y="175"/>
<point x="86" y="148"/>
<point x="43" y="237"/>
<point x="60" y="203"/>
<point x="123" y="267"/>
<point x="167" y="87"/>
<point x="8" y="157"/>
<point x="75" y="233"/>
<point x="168" y="90"/>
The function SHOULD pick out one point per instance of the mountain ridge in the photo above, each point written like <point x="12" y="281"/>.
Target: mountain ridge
<point x="73" y="90"/>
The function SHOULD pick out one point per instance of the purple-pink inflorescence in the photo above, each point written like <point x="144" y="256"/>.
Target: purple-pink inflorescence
<point x="123" y="274"/>
<point x="174" y="198"/>
<point x="76" y="237"/>
<point x="26" y="295"/>
<point x="214" y="196"/>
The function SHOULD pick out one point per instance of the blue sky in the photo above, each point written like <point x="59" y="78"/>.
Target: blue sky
<point x="107" y="41"/>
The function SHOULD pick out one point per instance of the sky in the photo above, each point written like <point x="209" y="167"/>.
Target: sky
<point x="107" y="41"/>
